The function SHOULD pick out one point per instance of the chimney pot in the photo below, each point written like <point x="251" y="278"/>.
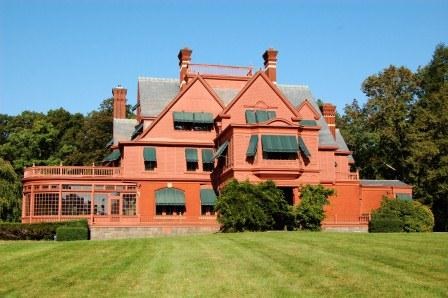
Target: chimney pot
<point x="184" y="59"/>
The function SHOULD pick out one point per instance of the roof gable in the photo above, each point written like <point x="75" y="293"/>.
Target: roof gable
<point x="307" y="111"/>
<point x="259" y="93"/>
<point x="197" y="96"/>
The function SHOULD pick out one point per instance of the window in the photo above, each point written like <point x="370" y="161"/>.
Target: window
<point x="76" y="203"/>
<point x="208" y="201"/>
<point x="198" y="121"/>
<point x="150" y="158"/>
<point x="170" y="201"/>
<point x="46" y="203"/>
<point x="27" y="199"/>
<point x="259" y="116"/>
<point x="280" y="155"/>
<point x="207" y="160"/>
<point x="100" y="204"/>
<point x="129" y="204"/>
<point x="282" y="147"/>
<point x="191" y="157"/>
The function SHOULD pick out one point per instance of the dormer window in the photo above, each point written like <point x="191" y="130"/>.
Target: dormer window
<point x="259" y="116"/>
<point x="198" y="121"/>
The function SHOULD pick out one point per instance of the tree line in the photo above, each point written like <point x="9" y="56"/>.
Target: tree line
<point x="400" y="132"/>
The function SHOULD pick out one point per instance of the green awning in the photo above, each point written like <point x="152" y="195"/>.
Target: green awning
<point x="110" y="143"/>
<point x="279" y="143"/>
<point x="308" y="122"/>
<point x="207" y="156"/>
<point x="220" y="150"/>
<point x="115" y="155"/>
<point x="170" y="196"/>
<point x="135" y="107"/>
<point x="149" y="154"/>
<point x="252" y="148"/>
<point x="262" y="116"/>
<point x="183" y="117"/>
<point x="250" y="117"/>
<point x="272" y="115"/>
<point x="303" y="147"/>
<point x="208" y="197"/>
<point x="137" y="131"/>
<point x="200" y="117"/>
<point x="191" y="154"/>
<point x="404" y="197"/>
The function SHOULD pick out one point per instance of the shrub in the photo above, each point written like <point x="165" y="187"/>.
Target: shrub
<point x="412" y="216"/>
<point x="385" y="225"/>
<point x="72" y="233"/>
<point x="243" y="206"/>
<point x="310" y="211"/>
<point x="35" y="231"/>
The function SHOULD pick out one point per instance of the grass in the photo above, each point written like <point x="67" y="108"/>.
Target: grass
<point x="277" y="264"/>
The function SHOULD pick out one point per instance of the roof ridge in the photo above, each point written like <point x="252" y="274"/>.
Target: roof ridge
<point x="141" y="78"/>
<point x="290" y="85"/>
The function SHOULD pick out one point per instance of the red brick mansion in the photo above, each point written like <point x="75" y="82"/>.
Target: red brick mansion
<point x="193" y="134"/>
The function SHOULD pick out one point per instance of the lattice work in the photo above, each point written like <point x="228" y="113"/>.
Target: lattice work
<point x="46" y="203"/>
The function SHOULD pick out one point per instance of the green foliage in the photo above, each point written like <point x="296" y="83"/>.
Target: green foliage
<point x="243" y="206"/>
<point x="401" y="216"/>
<point x="310" y="211"/>
<point x="36" y="231"/>
<point x="72" y="233"/>
<point x="10" y="193"/>
<point x="401" y="131"/>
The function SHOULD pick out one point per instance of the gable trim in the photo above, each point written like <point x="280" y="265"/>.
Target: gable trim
<point x="270" y="84"/>
<point x="177" y="98"/>
<point x="309" y="105"/>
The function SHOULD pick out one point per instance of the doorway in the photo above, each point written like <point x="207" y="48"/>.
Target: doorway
<point x="288" y="194"/>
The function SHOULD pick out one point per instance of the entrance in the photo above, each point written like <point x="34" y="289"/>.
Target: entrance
<point x="288" y="194"/>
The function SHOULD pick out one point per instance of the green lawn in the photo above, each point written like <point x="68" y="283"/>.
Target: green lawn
<point x="281" y="264"/>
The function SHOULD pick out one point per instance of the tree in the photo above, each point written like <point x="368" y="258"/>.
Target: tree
<point x="243" y="206"/>
<point x="428" y="158"/>
<point x="310" y="211"/>
<point x="404" y="216"/>
<point x="10" y="193"/>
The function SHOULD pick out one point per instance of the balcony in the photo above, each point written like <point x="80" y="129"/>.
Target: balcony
<point x="72" y="171"/>
<point x="221" y="70"/>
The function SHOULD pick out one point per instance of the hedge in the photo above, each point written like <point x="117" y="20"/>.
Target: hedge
<point x="385" y="225"/>
<point x="35" y="231"/>
<point x="72" y="233"/>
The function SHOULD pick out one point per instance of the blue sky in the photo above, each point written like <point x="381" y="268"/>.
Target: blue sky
<point x="71" y="53"/>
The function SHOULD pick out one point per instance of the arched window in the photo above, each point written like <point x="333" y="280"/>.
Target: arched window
<point x="170" y="201"/>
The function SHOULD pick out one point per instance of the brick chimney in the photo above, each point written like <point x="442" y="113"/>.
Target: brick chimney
<point x="270" y="64"/>
<point x="119" y="94"/>
<point x="184" y="59"/>
<point x="329" y="113"/>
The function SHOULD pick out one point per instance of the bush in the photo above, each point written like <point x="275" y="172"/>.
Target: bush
<point x="310" y="211"/>
<point x="411" y="216"/>
<point x="35" y="231"/>
<point x="72" y="233"/>
<point x="249" y="207"/>
<point x="385" y="225"/>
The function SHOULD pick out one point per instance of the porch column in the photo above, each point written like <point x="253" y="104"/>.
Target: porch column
<point x="60" y="203"/>
<point x="32" y="203"/>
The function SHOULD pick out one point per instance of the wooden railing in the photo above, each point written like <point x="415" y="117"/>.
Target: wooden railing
<point x="225" y="70"/>
<point x="71" y="171"/>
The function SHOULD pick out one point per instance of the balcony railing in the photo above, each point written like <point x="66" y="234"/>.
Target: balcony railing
<point x="352" y="176"/>
<point x="71" y="171"/>
<point x="223" y="70"/>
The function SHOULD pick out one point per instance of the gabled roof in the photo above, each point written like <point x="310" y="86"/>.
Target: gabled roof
<point x="269" y="82"/>
<point x="155" y="94"/>
<point x="197" y="78"/>
<point x="340" y="141"/>
<point x="365" y="182"/>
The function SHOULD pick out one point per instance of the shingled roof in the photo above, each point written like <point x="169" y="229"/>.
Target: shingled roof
<point x="156" y="93"/>
<point x="122" y="129"/>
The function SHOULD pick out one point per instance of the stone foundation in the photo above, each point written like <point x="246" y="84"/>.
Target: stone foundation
<point x="358" y="229"/>
<point x="103" y="233"/>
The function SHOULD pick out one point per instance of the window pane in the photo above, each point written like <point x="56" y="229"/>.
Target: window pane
<point x="46" y="203"/>
<point x="129" y="204"/>
<point x="76" y="203"/>
<point x="101" y="204"/>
